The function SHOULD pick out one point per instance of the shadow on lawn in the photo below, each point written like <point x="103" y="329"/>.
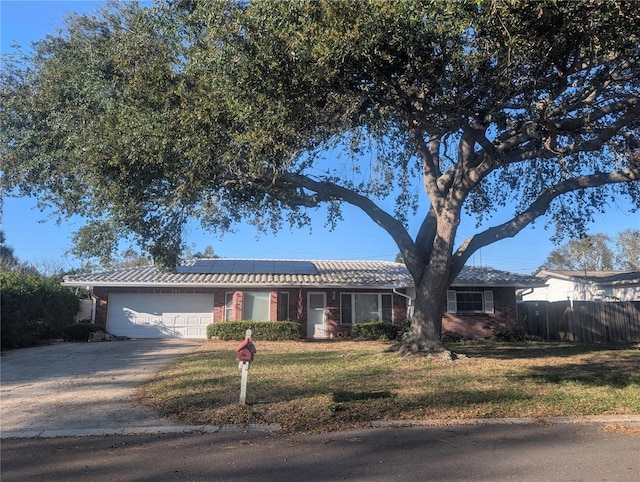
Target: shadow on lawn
<point x="614" y="373"/>
<point x="506" y="351"/>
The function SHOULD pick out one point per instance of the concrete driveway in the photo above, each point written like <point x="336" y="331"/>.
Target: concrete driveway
<point x="71" y="388"/>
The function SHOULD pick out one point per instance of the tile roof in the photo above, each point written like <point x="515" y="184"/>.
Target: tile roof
<point x="601" y="277"/>
<point x="298" y="273"/>
<point x="379" y="274"/>
<point x="489" y="277"/>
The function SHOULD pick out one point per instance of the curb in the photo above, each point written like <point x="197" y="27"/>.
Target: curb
<point x="159" y="429"/>
<point x="630" y="420"/>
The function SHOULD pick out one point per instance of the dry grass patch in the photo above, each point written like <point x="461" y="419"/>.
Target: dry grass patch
<point x="621" y="428"/>
<point x="337" y="385"/>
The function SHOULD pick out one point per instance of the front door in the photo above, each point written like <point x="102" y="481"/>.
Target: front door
<point x="316" y="305"/>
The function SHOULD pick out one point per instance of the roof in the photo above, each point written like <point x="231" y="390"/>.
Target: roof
<point x="225" y="272"/>
<point x="255" y="272"/>
<point x="489" y="277"/>
<point x="600" y="277"/>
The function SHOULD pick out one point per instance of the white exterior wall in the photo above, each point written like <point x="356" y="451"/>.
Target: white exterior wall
<point x="628" y="293"/>
<point x="557" y="290"/>
<point x="562" y="290"/>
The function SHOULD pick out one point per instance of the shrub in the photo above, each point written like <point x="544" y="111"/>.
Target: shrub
<point x="79" y="331"/>
<point x="377" y="330"/>
<point x="509" y="333"/>
<point x="260" y="330"/>
<point x="405" y="326"/>
<point x="451" y="336"/>
<point x="34" y="308"/>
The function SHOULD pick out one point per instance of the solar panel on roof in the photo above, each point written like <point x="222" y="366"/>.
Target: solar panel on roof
<point x="264" y="267"/>
<point x="248" y="266"/>
<point x="215" y="266"/>
<point x="304" y="267"/>
<point x="187" y="269"/>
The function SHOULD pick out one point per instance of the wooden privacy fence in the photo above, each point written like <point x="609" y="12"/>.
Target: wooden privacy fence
<point x="584" y="321"/>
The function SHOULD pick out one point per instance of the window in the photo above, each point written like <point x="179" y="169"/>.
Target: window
<point x="255" y="306"/>
<point x="346" y="312"/>
<point x="283" y="306"/>
<point x="228" y="306"/>
<point x="361" y="307"/>
<point x="470" y="301"/>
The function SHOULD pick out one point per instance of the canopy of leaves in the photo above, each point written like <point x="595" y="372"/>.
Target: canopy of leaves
<point x="141" y="118"/>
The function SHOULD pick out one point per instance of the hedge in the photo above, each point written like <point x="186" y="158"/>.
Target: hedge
<point x="260" y="330"/>
<point x="377" y="330"/>
<point x="34" y="308"/>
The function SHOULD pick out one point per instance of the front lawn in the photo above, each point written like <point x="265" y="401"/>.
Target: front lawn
<point x="337" y="385"/>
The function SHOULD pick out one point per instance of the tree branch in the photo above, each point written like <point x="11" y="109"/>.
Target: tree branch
<point x="429" y="155"/>
<point x="426" y="235"/>
<point x="535" y="210"/>
<point x="328" y="191"/>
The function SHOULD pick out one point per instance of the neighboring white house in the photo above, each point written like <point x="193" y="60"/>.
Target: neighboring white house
<point x="586" y="286"/>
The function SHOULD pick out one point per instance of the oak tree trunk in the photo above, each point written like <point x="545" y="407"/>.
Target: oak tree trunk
<point x="431" y="284"/>
<point x="425" y="334"/>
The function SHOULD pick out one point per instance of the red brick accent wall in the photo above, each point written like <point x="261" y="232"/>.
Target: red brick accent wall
<point x="219" y="296"/>
<point x="481" y="325"/>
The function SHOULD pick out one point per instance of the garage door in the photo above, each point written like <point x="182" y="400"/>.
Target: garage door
<point x="159" y="315"/>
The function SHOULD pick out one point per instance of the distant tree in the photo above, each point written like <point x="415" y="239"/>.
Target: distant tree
<point x="130" y="258"/>
<point x="10" y="262"/>
<point x="143" y="117"/>
<point x="7" y="257"/>
<point x="48" y="267"/>
<point x="208" y="253"/>
<point x="628" y="250"/>
<point x="598" y="252"/>
<point x="590" y="253"/>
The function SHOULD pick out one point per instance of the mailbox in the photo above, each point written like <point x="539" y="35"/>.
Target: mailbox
<point x="245" y="350"/>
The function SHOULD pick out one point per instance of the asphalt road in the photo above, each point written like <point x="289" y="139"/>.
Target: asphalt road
<point x="496" y="452"/>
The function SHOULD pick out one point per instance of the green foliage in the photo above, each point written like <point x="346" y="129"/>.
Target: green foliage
<point x="377" y="330"/>
<point x="33" y="308"/>
<point x="224" y="111"/>
<point x="509" y="333"/>
<point x="79" y="331"/>
<point x="261" y="330"/>
<point x="172" y="95"/>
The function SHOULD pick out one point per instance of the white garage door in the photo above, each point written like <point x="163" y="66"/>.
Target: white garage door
<point x="159" y="315"/>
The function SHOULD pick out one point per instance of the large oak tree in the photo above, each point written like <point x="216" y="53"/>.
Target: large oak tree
<point x="141" y="118"/>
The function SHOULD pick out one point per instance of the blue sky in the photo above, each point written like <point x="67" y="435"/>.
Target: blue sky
<point x="36" y="237"/>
